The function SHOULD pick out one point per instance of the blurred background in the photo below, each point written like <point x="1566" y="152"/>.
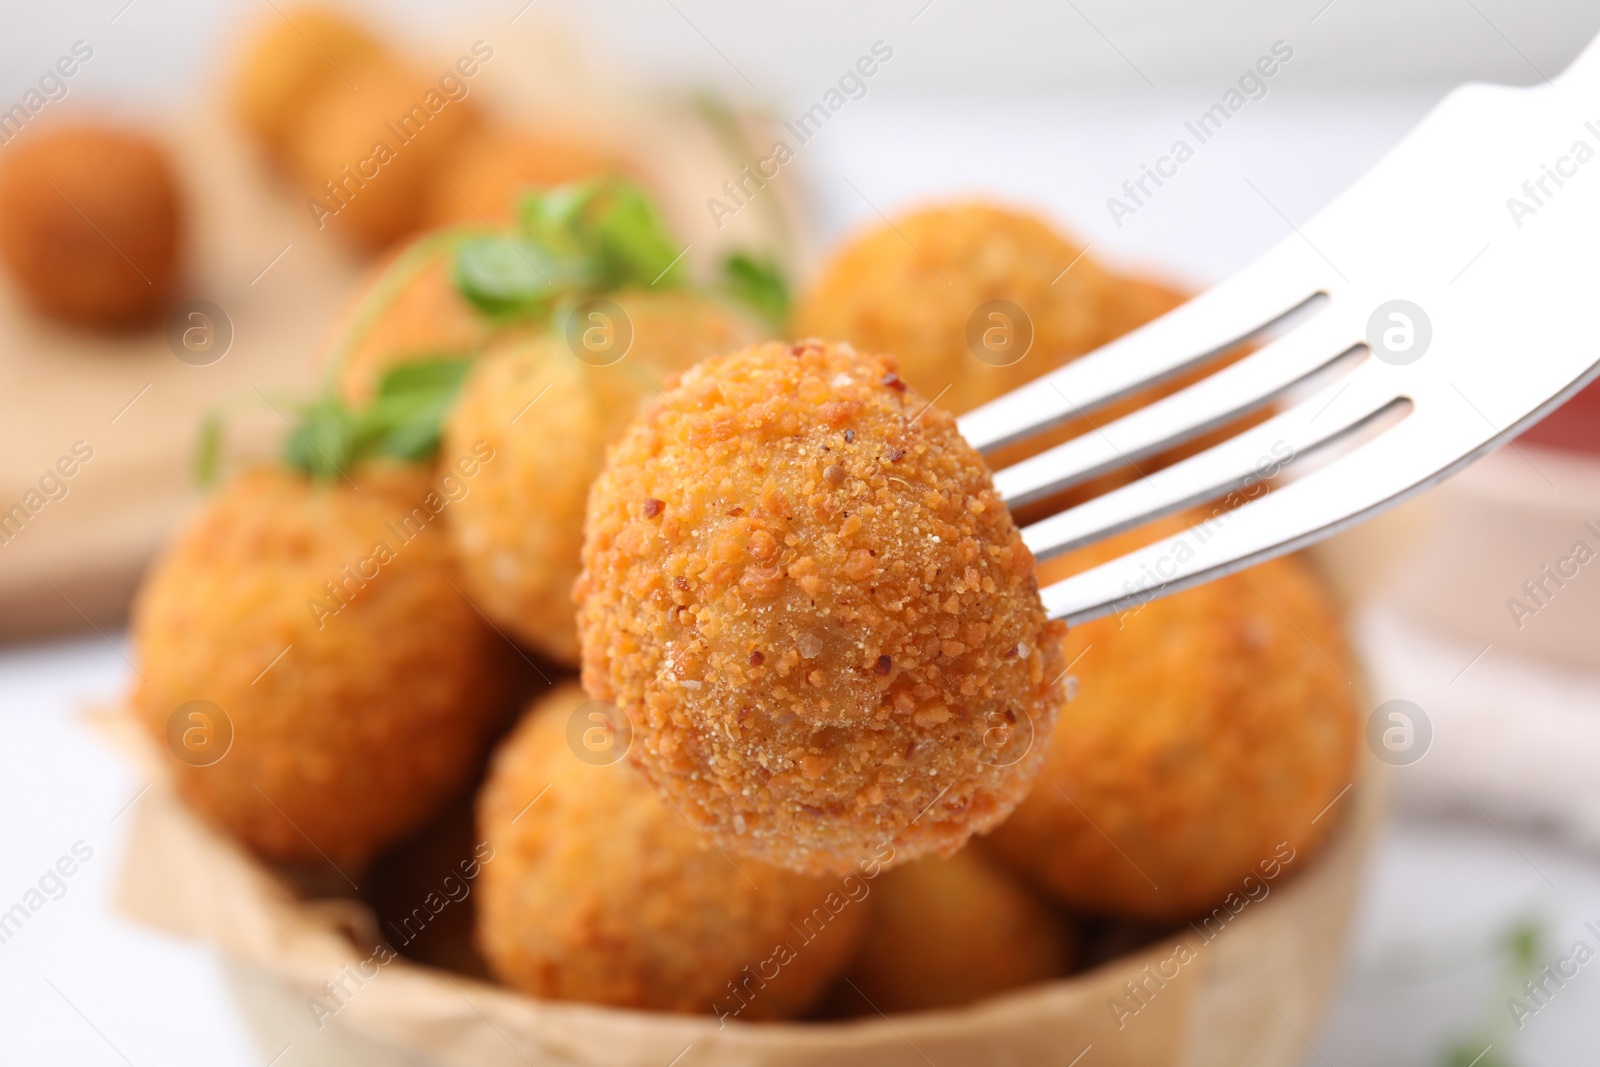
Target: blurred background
<point x="1490" y="865"/>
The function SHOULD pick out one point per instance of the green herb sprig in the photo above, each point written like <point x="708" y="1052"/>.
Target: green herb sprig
<point x="590" y="236"/>
<point x="758" y="284"/>
<point x="569" y="242"/>
<point x="403" y="421"/>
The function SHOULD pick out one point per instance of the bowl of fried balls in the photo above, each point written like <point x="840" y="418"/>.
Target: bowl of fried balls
<point x="656" y="672"/>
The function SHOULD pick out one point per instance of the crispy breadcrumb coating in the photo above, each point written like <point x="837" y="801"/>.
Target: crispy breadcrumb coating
<point x="598" y="890"/>
<point x="912" y="288"/>
<point x="360" y="685"/>
<point x="1207" y="728"/>
<point x="549" y="416"/>
<point x="799" y="581"/>
<point x="917" y="288"/>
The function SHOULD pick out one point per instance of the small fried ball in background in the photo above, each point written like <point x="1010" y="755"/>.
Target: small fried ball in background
<point x="800" y="583"/>
<point x="484" y="175"/>
<point x="918" y="289"/>
<point x="407" y="309"/>
<point x="549" y="416"/>
<point x="324" y="622"/>
<point x="597" y="890"/>
<point x="293" y="59"/>
<point x="1209" y="727"/>
<point x="915" y="288"/>
<point x="379" y="147"/>
<point x="1126" y="303"/>
<point x="1133" y="301"/>
<point x="91" y="224"/>
<point x="1130" y="303"/>
<point x="947" y="932"/>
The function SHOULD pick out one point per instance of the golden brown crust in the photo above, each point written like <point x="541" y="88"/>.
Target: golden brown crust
<point x="1123" y="304"/>
<point x="949" y="932"/>
<point x="599" y="891"/>
<point x="800" y="583"/>
<point x="380" y="706"/>
<point x="91" y="223"/>
<point x="1208" y="727"/>
<point x="293" y="58"/>
<point x="484" y="176"/>
<point x="912" y="288"/>
<point x="420" y="316"/>
<point x="520" y="531"/>
<point x="376" y="196"/>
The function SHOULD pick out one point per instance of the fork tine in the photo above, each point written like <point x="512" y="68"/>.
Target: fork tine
<point x="1405" y="459"/>
<point x="1443" y="433"/>
<point x="1273" y="286"/>
<point x="1220" y="469"/>
<point x="1211" y="402"/>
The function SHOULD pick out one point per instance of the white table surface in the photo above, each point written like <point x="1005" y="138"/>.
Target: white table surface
<point x="81" y="985"/>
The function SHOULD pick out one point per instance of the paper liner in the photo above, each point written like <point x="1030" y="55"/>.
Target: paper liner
<point x="1245" y="998"/>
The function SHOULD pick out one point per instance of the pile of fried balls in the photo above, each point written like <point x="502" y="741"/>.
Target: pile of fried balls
<point x="698" y="601"/>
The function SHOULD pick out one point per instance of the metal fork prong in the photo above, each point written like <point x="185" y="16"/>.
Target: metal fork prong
<point x="1258" y="453"/>
<point x="1217" y="399"/>
<point x="1261" y="295"/>
<point x="1395" y="465"/>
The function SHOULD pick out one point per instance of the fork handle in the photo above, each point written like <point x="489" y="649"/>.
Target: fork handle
<point x="1583" y="73"/>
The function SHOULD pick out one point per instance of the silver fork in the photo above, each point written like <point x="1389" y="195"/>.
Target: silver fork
<point x="1458" y="283"/>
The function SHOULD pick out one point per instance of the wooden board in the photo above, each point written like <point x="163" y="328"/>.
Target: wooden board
<point x="135" y="404"/>
<point x="256" y="253"/>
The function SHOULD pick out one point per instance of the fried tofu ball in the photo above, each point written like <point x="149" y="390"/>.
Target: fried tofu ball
<point x="367" y="158"/>
<point x="324" y="625"/>
<point x="487" y="171"/>
<point x="91" y="224"/>
<point x="1208" y="728"/>
<point x="408" y="309"/>
<point x="946" y="932"/>
<point x="597" y="890"/>
<point x="549" y="416"/>
<point x="916" y="287"/>
<point x="799" y="581"/>
<point x="296" y="56"/>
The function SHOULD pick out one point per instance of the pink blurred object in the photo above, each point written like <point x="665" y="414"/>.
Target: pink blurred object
<point x="1573" y="427"/>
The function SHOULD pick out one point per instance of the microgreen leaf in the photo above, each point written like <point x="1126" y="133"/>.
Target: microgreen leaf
<point x="610" y="226"/>
<point x="441" y="373"/>
<point x="405" y="418"/>
<point x="633" y="242"/>
<point x="208" y="451"/>
<point x="554" y="219"/>
<point x="759" y="284"/>
<point x="322" y="442"/>
<point x="507" y="275"/>
<point x="403" y="421"/>
<point x="1524" y="940"/>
